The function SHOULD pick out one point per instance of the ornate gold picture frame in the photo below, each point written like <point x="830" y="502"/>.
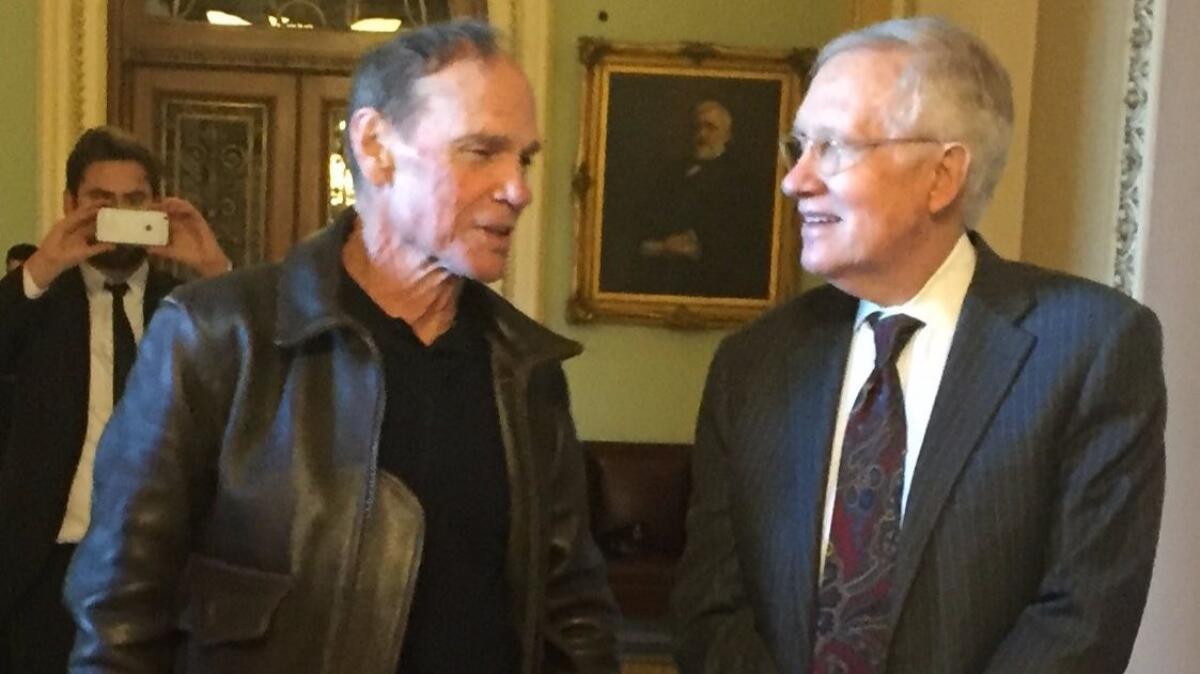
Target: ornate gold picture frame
<point x="680" y="221"/>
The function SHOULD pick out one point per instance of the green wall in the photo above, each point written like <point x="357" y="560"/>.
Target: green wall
<point x="18" y="128"/>
<point x="640" y="383"/>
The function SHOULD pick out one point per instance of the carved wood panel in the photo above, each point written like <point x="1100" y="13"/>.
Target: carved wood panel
<point x="228" y="145"/>
<point x="216" y="152"/>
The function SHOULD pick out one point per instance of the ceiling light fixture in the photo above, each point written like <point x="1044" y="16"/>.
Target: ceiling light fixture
<point x="218" y="18"/>
<point x="376" y="25"/>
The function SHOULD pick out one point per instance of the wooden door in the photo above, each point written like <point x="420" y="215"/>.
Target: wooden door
<point x="245" y="117"/>
<point x="228" y="144"/>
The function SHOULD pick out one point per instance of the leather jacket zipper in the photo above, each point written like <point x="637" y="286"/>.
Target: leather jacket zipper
<point x="368" y="503"/>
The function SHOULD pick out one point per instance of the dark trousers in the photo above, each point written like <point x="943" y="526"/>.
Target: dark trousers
<point x="41" y="631"/>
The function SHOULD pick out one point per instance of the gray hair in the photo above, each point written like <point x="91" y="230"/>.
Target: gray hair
<point x="386" y="76"/>
<point x="953" y="89"/>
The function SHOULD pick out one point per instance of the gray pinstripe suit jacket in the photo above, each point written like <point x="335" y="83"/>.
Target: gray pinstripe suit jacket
<point x="1031" y="526"/>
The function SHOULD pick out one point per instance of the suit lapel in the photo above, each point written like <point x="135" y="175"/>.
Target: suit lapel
<point x="67" y="373"/>
<point x="45" y="443"/>
<point x="988" y="351"/>
<point x="158" y="284"/>
<point x="76" y="353"/>
<point x="814" y="381"/>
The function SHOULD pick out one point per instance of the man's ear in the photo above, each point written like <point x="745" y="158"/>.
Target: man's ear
<point x="367" y="130"/>
<point x="69" y="202"/>
<point x="950" y="177"/>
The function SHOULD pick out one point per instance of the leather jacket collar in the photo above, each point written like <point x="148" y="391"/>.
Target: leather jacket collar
<point x="308" y="304"/>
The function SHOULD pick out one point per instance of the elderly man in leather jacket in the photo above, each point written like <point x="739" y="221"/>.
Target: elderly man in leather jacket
<point x="360" y="460"/>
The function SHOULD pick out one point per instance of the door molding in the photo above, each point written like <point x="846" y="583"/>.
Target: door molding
<point x="72" y="78"/>
<point x="526" y="26"/>
<point x="1137" y="143"/>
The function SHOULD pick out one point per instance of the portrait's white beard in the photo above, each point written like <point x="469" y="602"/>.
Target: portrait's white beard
<point x="706" y="152"/>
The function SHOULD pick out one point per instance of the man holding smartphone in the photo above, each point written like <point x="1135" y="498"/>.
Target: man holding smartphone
<point x="70" y="318"/>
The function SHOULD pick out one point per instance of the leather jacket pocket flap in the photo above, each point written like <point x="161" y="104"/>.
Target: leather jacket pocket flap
<point x="226" y="603"/>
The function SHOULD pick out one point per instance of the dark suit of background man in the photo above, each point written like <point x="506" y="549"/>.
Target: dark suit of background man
<point x="17" y="254"/>
<point x="987" y="500"/>
<point x="361" y="459"/>
<point x="57" y="342"/>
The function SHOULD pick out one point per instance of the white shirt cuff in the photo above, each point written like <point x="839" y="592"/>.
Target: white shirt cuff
<point x="32" y="291"/>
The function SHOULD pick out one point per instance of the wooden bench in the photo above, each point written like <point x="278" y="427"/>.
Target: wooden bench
<point x="638" y="495"/>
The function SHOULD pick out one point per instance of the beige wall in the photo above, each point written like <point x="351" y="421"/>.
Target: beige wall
<point x="640" y="383"/>
<point x="1075" y="135"/>
<point x="1071" y="210"/>
<point x="18" y="122"/>
<point x="1169" y="278"/>
<point x="1008" y="28"/>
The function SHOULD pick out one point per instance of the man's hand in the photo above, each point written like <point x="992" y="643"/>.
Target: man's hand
<point x="192" y="241"/>
<point x="652" y="248"/>
<point x="70" y="241"/>
<point x="681" y="244"/>
<point x="685" y="244"/>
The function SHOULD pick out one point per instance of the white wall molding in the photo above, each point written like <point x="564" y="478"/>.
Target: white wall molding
<point x="526" y="24"/>
<point x="1136" y="146"/>
<point x="72" y="86"/>
<point x="1165" y="278"/>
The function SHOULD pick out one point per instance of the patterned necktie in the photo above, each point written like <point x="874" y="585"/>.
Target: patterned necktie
<point x="854" y="599"/>
<point x="124" y="346"/>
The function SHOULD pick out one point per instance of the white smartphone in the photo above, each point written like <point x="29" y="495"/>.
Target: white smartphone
<point x="140" y="228"/>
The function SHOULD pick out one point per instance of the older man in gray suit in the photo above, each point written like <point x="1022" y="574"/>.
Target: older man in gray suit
<point x="942" y="462"/>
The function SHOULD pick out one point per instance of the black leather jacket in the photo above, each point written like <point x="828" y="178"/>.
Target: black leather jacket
<point x="240" y="523"/>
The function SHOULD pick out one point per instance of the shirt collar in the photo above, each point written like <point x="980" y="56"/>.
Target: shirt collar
<point x="940" y="300"/>
<point x="94" y="279"/>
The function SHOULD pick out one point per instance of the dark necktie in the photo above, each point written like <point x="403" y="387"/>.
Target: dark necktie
<point x="854" y="598"/>
<point x="124" y="347"/>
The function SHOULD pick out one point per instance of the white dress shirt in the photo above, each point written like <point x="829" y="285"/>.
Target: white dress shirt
<point x="100" y="381"/>
<point x="920" y="364"/>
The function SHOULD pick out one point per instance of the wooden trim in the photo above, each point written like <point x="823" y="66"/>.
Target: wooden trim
<point x="527" y="26"/>
<point x="156" y="40"/>
<point x="166" y="41"/>
<point x="464" y="8"/>
<point x="316" y="95"/>
<point x="70" y="92"/>
<point x="116" y="46"/>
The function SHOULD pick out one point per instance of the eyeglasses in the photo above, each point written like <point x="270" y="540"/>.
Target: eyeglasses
<point x="835" y="155"/>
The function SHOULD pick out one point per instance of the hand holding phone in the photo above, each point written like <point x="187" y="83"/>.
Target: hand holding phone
<point x="192" y="243"/>
<point x="70" y="241"/>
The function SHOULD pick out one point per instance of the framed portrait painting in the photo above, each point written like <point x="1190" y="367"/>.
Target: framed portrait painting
<point x="680" y="220"/>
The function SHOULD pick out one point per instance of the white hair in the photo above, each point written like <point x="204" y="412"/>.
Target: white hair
<point x="719" y="109"/>
<point x="953" y="89"/>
